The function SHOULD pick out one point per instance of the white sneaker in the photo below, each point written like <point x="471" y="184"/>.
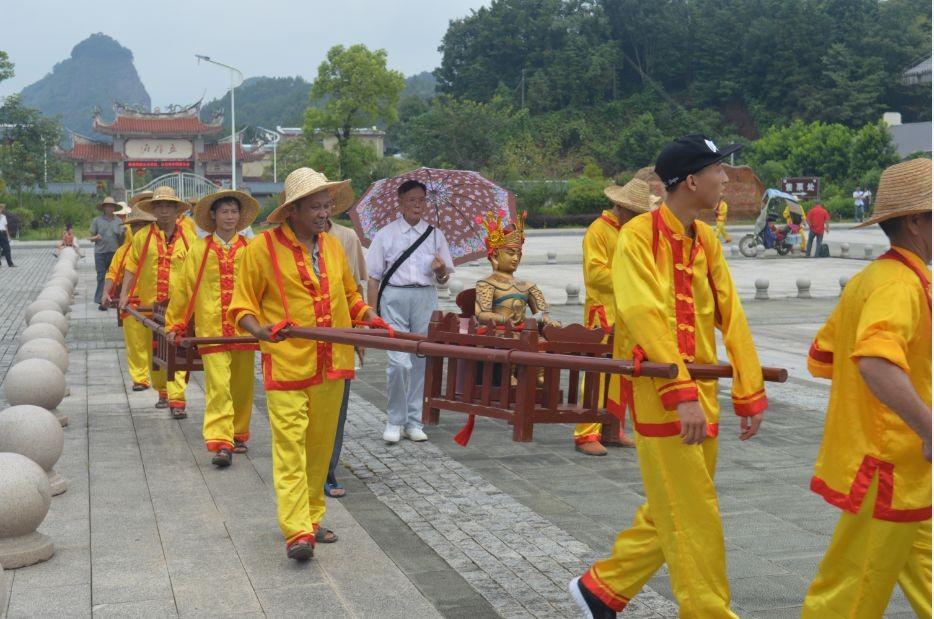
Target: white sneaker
<point x="414" y="434"/>
<point x="391" y="434"/>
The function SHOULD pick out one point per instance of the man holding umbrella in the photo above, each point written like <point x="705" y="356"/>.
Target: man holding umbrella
<point x="406" y="259"/>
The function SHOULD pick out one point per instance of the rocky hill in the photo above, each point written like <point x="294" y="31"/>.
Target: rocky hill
<point x="99" y="72"/>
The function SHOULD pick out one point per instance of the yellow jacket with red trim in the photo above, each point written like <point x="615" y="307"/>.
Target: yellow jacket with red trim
<point x="118" y="262"/>
<point x="884" y="312"/>
<point x="329" y="300"/>
<point x="212" y="299"/>
<point x="665" y="288"/>
<point x="599" y="245"/>
<point x="158" y="261"/>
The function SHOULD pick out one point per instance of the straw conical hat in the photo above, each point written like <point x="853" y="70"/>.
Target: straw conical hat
<point x="305" y="182"/>
<point x="904" y="189"/>
<point x="249" y="209"/>
<point x="138" y="216"/>
<point x="143" y="195"/>
<point x="633" y="196"/>
<point x="105" y="202"/>
<point x="123" y="210"/>
<point x="163" y="194"/>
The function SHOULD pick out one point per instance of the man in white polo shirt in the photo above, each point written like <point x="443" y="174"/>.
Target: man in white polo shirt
<point x="5" y="238"/>
<point x="405" y="260"/>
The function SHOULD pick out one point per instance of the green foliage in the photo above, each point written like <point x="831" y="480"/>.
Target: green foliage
<point x="585" y="195"/>
<point x="354" y="88"/>
<point x="6" y="67"/>
<point x="27" y="137"/>
<point x="540" y="197"/>
<point x="264" y="102"/>
<point x="44" y="217"/>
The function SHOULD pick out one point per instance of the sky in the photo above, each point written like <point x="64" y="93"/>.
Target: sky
<point x="259" y="37"/>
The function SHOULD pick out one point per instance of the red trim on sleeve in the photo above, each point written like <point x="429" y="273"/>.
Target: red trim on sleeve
<point x="753" y="405"/>
<point x="821" y="356"/>
<point x="672" y="395"/>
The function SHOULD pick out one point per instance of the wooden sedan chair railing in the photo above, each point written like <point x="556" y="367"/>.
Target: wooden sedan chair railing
<point x="485" y="389"/>
<point x="165" y="355"/>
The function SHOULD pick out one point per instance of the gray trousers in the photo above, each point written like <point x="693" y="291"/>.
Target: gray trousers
<point x="407" y="309"/>
<point x="339" y="438"/>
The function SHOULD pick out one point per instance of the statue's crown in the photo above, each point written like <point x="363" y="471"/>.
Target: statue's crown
<point x="500" y="232"/>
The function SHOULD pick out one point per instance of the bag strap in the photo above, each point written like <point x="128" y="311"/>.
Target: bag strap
<point x="194" y="292"/>
<point x="398" y="263"/>
<point x="142" y="259"/>
<point x="277" y="272"/>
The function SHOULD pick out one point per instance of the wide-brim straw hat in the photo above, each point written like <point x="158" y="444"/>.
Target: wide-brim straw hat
<point x="163" y="194"/>
<point x="123" y="210"/>
<point x="249" y="209"/>
<point x="634" y="196"/>
<point x="137" y="216"/>
<point x="904" y="189"/>
<point x="105" y="202"/>
<point x="143" y="195"/>
<point x="304" y="182"/>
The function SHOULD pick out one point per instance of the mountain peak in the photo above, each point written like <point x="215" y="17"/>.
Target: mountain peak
<point x="98" y="46"/>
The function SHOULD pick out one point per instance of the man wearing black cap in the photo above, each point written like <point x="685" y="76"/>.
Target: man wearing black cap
<point x="678" y="289"/>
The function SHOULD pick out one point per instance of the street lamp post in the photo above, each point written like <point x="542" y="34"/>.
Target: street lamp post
<point x="233" y="117"/>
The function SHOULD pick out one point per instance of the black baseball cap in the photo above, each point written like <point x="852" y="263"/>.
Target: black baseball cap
<point x="689" y="154"/>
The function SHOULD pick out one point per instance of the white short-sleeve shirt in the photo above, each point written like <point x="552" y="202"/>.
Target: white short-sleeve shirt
<point x="395" y="238"/>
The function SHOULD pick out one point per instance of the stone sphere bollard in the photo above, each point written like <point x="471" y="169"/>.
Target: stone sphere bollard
<point x="760" y="249"/>
<point x="44" y="348"/>
<point x="34" y="432"/>
<point x="843" y="281"/>
<point x="58" y="295"/>
<point x="734" y="250"/>
<point x="25" y="497"/>
<point x="70" y="274"/>
<point x="37" y="382"/>
<point x="40" y="305"/>
<point x="443" y="291"/>
<point x="52" y="317"/>
<point x="68" y="254"/>
<point x="804" y="288"/>
<point x="574" y="294"/>
<point x="456" y="286"/>
<point x="551" y="258"/>
<point x="61" y="281"/>
<point x="762" y="289"/>
<point x="844" y="250"/>
<point x="41" y="330"/>
<point x="867" y="252"/>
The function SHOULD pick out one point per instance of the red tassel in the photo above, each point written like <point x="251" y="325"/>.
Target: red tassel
<point x="463" y="436"/>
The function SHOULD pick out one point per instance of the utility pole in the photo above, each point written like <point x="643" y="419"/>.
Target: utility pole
<point x="522" y="89"/>
<point x="233" y="117"/>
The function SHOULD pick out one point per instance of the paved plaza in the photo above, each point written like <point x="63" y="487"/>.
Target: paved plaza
<point x="149" y="528"/>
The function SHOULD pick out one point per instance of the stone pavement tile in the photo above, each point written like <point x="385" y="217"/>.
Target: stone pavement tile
<point x="144" y="608"/>
<point x="261" y="550"/>
<point x="302" y="600"/>
<point x="768" y="592"/>
<point x="66" y="601"/>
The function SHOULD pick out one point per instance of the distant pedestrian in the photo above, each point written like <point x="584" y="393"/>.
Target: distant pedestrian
<point x="867" y="202"/>
<point x="722" y="209"/>
<point x="68" y="240"/>
<point x="859" y="204"/>
<point x="5" y="237"/>
<point x="819" y="223"/>
<point x="107" y="233"/>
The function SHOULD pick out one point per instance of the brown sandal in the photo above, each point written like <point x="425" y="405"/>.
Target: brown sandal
<point x="325" y="536"/>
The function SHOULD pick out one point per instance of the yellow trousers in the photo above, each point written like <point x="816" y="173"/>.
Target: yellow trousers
<point x="865" y="559"/>
<point x="138" y="340"/>
<point x="679" y="525"/>
<point x="228" y="396"/>
<point x="721" y="231"/>
<point x="304" y="425"/>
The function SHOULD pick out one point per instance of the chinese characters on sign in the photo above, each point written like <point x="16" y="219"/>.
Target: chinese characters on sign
<point x="807" y="187"/>
<point x="145" y="148"/>
<point x="160" y="163"/>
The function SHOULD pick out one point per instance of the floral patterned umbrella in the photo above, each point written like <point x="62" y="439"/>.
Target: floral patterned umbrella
<point x="455" y="198"/>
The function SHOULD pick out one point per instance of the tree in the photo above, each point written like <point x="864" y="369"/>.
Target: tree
<point x="25" y="138"/>
<point x="6" y="67"/>
<point x="354" y="89"/>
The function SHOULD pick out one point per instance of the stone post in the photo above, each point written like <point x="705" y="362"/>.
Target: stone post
<point x="552" y="258"/>
<point x="804" y="288"/>
<point x="843" y="281"/>
<point x="867" y="252"/>
<point x="574" y="294"/>
<point x="844" y="250"/>
<point x="762" y="290"/>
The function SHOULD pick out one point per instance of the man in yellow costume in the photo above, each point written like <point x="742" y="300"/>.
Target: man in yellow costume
<point x="154" y="260"/>
<point x="672" y="288"/>
<point x="874" y="461"/>
<point x="722" y="209"/>
<point x="297" y="274"/>
<point x="135" y="357"/>
<point x="599" y="243"/>
<point x="204" y="292"/>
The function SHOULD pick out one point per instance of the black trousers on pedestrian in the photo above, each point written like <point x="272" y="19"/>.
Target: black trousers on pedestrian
<point x="811" y="238"/>
<point x="101" y="264"/>
<point x="339" y="439"/>
<point x="5" y="248"/>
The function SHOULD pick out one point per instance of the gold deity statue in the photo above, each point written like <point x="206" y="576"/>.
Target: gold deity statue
<point x="500" y="297"/>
